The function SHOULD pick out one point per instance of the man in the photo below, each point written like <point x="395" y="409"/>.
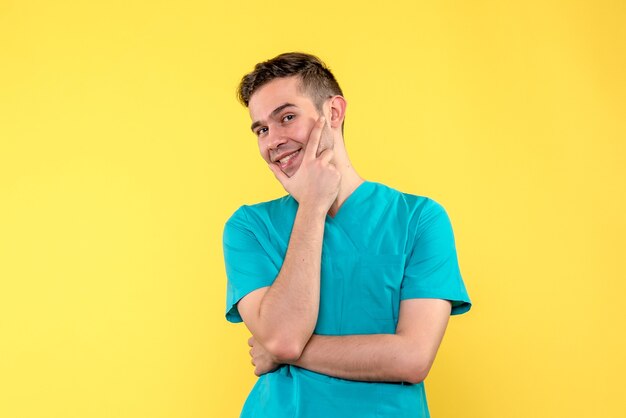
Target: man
<point x="345" y="284"/>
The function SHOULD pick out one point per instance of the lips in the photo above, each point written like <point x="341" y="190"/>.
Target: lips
<point x="284" y="159"/>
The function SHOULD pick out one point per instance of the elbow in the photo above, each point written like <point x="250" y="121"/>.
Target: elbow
<point x="415" y="377"/>
<point x="416" y="372"/>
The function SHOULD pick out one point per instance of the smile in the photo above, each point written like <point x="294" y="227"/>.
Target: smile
<point x="283" y="161"/>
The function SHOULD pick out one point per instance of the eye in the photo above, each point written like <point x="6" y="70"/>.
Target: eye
<point x="261" y="131"/>
<point x="288" y="117"/>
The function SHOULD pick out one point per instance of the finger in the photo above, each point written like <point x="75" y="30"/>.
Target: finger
<point x="327" y="155"/>
<point x="250" y="352"/>
<point x="250" y="341"/>
<point x="278" y="173"/>
<point x="314" y="139"/>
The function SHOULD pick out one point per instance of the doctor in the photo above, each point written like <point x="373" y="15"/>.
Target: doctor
<point x="346" y="285"/>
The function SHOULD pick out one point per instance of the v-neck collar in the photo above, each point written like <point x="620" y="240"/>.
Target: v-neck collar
<point x="353" y="198"/>
<point x="357" y="196"/>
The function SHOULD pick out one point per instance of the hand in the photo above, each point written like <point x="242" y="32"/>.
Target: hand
<point x="261" y="359"/>
<point x="316" y="182"/>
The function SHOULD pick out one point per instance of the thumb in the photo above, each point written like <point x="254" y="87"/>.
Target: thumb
<point x="282" y="177"/>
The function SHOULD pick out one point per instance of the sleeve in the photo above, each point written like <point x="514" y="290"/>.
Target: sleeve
<point x="432" y="269"/>
<point x="248" y="266"/>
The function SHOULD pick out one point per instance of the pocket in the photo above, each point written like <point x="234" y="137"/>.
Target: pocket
<point x="379" y="277"/>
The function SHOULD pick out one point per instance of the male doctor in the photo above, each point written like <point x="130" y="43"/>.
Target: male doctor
<point x="346" y="285"/>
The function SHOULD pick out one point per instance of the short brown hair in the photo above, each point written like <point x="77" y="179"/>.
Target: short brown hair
<point x="316" y="79"/>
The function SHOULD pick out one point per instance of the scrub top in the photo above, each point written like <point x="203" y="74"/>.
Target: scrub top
<point x="383" y="246"/>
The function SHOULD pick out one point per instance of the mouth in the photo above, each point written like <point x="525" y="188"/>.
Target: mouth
<point x="284" y="162"/>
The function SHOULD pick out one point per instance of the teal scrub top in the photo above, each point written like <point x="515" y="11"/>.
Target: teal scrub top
<point x="383" y="246"/>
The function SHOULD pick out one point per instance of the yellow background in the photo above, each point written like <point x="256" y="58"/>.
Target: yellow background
<point x="123" y="151"/>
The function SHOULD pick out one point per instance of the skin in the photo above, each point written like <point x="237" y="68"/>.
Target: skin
<point x="282" y="317"/>
<point x="292" y="128"/>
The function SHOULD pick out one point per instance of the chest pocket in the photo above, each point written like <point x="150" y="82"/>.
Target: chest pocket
<point x="360" y="294"/>
<point x="375" y="297"/>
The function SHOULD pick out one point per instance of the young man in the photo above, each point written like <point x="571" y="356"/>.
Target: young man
<point x="345" y="284"/>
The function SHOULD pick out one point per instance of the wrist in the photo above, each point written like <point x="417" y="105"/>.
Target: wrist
<point x="313" y="210"/>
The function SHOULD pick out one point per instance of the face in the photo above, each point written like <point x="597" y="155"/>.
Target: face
<point x="282" y="120"/>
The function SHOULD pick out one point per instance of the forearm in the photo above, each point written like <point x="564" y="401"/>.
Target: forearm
<point x="377" y="357"/>
<point x="288" y="311"/>
<point x="405" y="356"/>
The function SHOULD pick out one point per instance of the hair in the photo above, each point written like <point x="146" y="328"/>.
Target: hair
<point x="316" y="79"/>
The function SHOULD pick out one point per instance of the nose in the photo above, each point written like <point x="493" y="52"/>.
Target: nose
<point x="274" y="139"/>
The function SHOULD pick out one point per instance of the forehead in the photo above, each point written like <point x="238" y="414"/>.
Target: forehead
<point x="276" y="93"/>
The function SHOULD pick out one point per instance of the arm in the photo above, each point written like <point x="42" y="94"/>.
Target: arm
<point x="408" y="354"/>
<point x="282" y="317"/>
<point x="405" y="356"/>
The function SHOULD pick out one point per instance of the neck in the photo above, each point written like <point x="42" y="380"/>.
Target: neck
<point x="350" y="180"/>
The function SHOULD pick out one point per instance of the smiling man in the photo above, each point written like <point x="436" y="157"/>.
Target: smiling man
<point x="346" y="285"/>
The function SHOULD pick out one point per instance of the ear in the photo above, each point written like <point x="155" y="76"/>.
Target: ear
<point x="337" y="111"/>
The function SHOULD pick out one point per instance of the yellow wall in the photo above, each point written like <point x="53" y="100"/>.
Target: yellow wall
<point x="123" y="151"/>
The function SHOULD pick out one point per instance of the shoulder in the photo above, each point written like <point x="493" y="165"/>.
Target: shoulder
<point x="415" y="204"/>
<point x="418" y="212"/>
<point x="259" y="213"/>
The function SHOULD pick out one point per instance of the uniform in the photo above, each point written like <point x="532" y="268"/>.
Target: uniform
<point x="383" y="246"/>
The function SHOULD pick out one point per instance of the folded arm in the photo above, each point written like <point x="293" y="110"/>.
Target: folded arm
<point x="282" y="317"/>
<point x="405" y="356"/>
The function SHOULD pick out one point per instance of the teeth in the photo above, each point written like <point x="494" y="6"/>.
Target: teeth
<point x="287" y="158"/>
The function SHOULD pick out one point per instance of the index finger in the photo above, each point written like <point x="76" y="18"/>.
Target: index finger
<point x="314" y="139"/>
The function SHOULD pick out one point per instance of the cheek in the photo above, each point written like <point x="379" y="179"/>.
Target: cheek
<point x="263" y="151"/>
<point x="298" y="134"/>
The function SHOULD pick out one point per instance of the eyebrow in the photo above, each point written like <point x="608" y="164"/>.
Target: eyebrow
<point x="274" y="113"/>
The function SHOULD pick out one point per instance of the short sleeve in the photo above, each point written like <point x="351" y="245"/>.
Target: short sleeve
<point x="432" y="269"/>
<point x="248" y="266"/>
